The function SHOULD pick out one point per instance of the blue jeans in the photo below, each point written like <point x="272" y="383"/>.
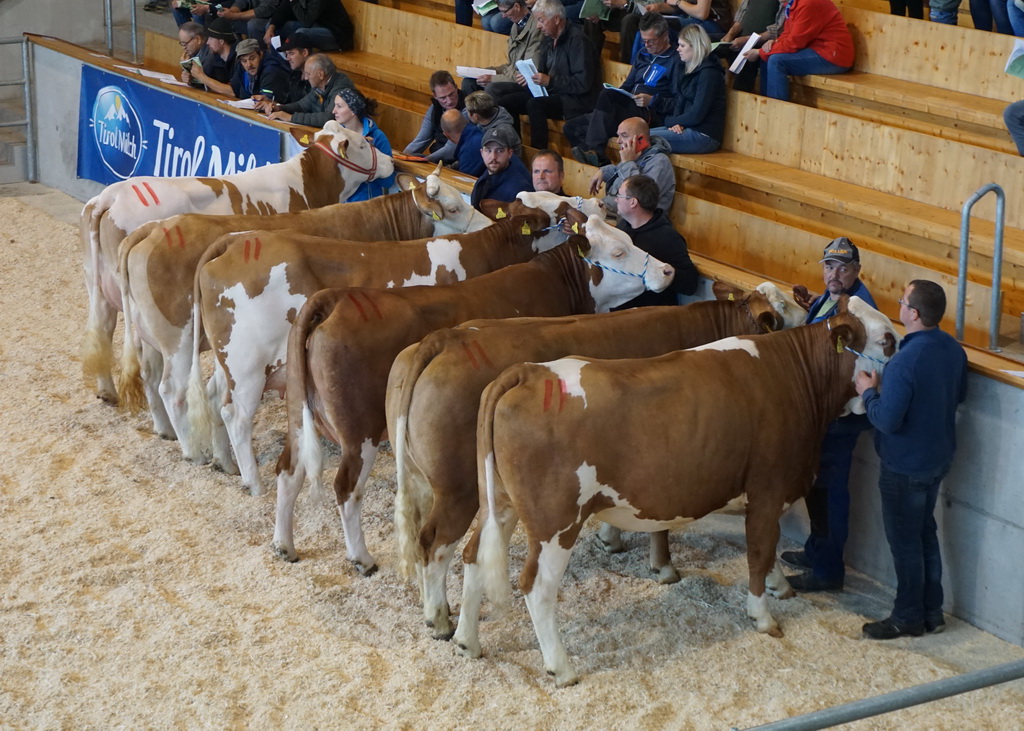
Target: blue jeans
<point x="493" y="21"/>
<point x="1013" y="115"/>
<point x="689" y="142"/>
<point x="908" y="512"/>
<point x="1016" y="17"/>
<point x="776" y="71"/>
<point x="678" y="22"/>
<point x="944" y="11"/>
<point x="985" y="12"/>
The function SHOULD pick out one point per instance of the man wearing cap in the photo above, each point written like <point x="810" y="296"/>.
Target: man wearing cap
<point x="296" y="51"/>
<point x="828" y="502"/>
<point x="506" y="175"/>
<point x="215" y="73"/>
<point x="257" y="72"/>
<point x="317" y="107"/>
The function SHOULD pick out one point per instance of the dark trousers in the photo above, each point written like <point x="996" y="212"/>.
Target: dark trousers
<point x="592" y="131"/>
<point x="537" y="109"/>
<point x="908" y="512"/>
<point x="910" y="8"/>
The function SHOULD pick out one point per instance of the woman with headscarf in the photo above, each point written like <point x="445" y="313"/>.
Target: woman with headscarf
<point x="353" y="111"/>
<point x="697" y="124"/>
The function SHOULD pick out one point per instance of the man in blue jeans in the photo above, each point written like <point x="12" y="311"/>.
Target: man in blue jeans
<point x="943" y="11"/>
<point x="914" y="415"/>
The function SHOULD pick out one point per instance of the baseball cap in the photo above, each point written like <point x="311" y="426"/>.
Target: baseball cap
<point x="841" y="250"/>
<point x="249" y="45"/>
<point x="220" y="28"/>
<point x="503" y="134"/>
<point x="295" y="40"/>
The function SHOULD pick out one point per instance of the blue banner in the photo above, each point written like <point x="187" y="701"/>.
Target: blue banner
<point x="127" y="129"/>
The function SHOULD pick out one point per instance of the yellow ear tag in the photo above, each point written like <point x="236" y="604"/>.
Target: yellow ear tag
<point x="839" y="344"/>
<point x="575" y="227"/>
<point x="304" y="139"/>
<point x="500" y="214"/>
<point x="413" y="185"/>
<point x="341" y="152"/>
<point x="731" y="297"/>
<point x="526" y="229"/>
<point x="433" y="214"/>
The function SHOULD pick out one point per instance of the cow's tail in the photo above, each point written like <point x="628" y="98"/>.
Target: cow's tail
<point x="492" y="555"/>
<point x="97" y="352"/>
<point x="200" y="414"/>
<point x="414" y="499"/>
<point x="130" y="392"/>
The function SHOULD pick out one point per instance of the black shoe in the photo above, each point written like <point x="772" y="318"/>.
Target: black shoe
<point x="809" y="582"/>
<point x="886" y="629"/>
<point x="796" y="559"/>
<point x="935" y="626"/>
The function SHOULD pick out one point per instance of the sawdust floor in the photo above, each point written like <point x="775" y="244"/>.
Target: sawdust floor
<point x="141" y="591"/>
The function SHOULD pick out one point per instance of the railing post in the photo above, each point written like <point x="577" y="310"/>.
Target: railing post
<point x="997" y="264"/>
<point x="32" y="173"/>
<point x="109" y="12"/>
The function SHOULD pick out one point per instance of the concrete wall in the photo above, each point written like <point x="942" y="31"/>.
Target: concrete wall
<point x="981" y="516"/>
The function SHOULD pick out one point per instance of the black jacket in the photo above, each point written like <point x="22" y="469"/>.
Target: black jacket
<point x="574" y="68"/>
<point x="659" y="239"/>
<point x="330" y="14"/>
<point x="700" y="99"/>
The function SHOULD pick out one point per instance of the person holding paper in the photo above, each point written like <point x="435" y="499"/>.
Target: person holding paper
<point x="215" y="73"/>
<point x="697" y="123"/>
<point x="192" y="39"/>
<point x="646" y="92"/>
<point x="491" y="17"/>
<point x="567" y="67"/>
<point x="523" y="43"/>
<point x="763" y="17"/>
<point x="815" y="40"/>
<point x="257" y="72"/>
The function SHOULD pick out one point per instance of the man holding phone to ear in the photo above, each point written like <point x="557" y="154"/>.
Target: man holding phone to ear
<point x="639" y="154"/>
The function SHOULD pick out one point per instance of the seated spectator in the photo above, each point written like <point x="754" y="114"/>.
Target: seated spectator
<point x="467" y="138"/>
<point x="548" y="172"/>
<point x="249" y="18"/>
<point x="219" y="66"/>
<point x="481" y="111"/>
<point x="430" y="141"/>
<point x="296" y="51"/>
<point x="192" y="39"/>
<point x="185" y="11"/>
<point x="944" y="11"/>
<point x="1015" y="14"/>
<point x="523" y="43"/>
<point x="494" y="20"/>
<point x="316" y="108"/>
<point x="325" y="23"/>
<point x="353" y="111"/>
<point x="697" y="123"/>
<point x="985" y="13"/>
<point x="764" y="17"/>
<point x="506" y="176"/>
<point x="259" y="72"/>
<point x="568" y="67"/>
<point x="714" y="16"/>
<point x="639" y="154"/>
<point x="649" y="229"/>
<point x="815" y="40"/>
<point x="1013" y="116"/>
<point x="649" y="95"/>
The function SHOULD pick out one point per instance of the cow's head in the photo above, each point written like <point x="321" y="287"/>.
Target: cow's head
<point x="448" y="210"/>
<point x="769" y="307"/>
<point x="619" y="271"/>
<point x="561" y="209"/>
<point x="860" y="329"/>
<point x="358" y="160"/>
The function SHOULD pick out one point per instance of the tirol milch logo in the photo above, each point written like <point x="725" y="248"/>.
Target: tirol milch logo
<point x="118" y="132"/>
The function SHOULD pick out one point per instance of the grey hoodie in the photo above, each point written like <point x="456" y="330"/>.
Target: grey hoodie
<point x="654" y="162"/>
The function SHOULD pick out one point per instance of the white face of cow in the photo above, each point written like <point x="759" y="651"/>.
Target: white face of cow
<point x="880" y="335"/>
<point x="625" y="269"/>
<point x="448" y="208"/>
<point x="792" y="314"/>
<point x="554" y="205"/>
<point x="364" y="161"/>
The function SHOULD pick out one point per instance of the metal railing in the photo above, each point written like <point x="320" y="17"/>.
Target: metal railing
<point x="25" y="82"/>
<point x="108" y="13"/>
<point x="997" y="264"/>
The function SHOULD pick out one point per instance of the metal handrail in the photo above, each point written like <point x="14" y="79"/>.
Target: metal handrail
<point x="28" y="121"/>
<point x="997" y="265"/>
<point x="109" y="22"/>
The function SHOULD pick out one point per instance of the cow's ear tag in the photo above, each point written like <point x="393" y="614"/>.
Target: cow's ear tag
<point x="433" y="214"/>
<point x="413" y="185"/>
<point x="304" y="140"/>
<point x="500" y="214"/>
<point x="526" y="229"/>
<point x="575" y="227"/>
<point x="732" y="297"/>
<point x="839" y="344"/>
<point x="341" y="153"/>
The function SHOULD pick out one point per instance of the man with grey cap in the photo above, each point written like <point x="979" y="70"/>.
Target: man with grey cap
<point x="317" y="107"/>
<point x="828" y="502"/>
<point x="506" y="176"/>
<point x="258" y="72"/>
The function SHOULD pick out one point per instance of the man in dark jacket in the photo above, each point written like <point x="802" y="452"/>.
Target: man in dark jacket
<point x="506" y="175"/>
<point x="649" y="228"/>
<point x="467" y="137"/>
<point x="430" y="140"/>
<point x="259" y="72"/>
<point x="317" y="107"/>
<point x="218" y="66"/>
<point x="325" y="23"/>
<point x="646" y="93"/>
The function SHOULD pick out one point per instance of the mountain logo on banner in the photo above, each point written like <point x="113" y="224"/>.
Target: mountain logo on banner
<point x="117" y="131"/>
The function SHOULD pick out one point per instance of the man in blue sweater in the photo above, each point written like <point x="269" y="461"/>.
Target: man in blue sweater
<point x="506" y="176"/>
<point x="914" y="416"/>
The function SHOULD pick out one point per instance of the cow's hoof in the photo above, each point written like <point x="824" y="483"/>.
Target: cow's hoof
<point x="365" y="570"/>
<point x="786" y="593"/>
<point x="107" y="397"/>
<point x="775" y="631"/>
<point x="666" y="574"/>
<point x="256" y="490"/>
<point x="285" y="553"/>
<point x="443" y="636"/>
<point x="564" y="679"/>
<point x="464" y="649"/>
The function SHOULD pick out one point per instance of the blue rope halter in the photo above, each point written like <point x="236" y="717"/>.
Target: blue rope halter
<point x="599" y="265"/>
<point x="848" y="349"/>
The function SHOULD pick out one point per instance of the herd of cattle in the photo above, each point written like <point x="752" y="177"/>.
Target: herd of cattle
<point x="471" y="340"/>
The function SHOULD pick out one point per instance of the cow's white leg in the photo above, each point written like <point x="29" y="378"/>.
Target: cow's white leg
<point x="239" y="415"/>
<point x="98" y="348"/>
<point x="661" y="559"/>
<point x="467" y="634"/>
<point x="216" y="391"/>
<point x="351" y="510"/>
<point x="777" y="585"/>
<point x="757" y="610"/>
<point x="611" y="538"/>
<point x="542" y="601"/>
<point x="173" y="387"/>
<point x="435" y="595"/>
<point x="288" y="486"/>
<point x="152" y="366"/>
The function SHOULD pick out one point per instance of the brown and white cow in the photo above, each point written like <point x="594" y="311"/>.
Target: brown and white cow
<point x="327" y="172"/>
<point x="158" y="265"/>
<point x="343" y="343"/>
<point x="434" y="394"/>
<point x="249" y="287"/>
<point x="564" y="440"/>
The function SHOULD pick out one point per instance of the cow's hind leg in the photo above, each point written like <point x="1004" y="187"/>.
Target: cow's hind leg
<point x="661" y="559"/>
<point x="435" y="597"/>
<point x="762" y="538"/>
<point x="152" y="367"/>
<point x="610" y="538"/>
<point x="239" y="415"/>
<point x="348" y="487"/>
<point x="548" y="563"/>
<point x="288" y="486"/>
<point x="97" y="347"/>
<point x="216" y="392"/>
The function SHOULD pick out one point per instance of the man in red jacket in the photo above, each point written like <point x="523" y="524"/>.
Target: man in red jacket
<point x="814" y="40"/>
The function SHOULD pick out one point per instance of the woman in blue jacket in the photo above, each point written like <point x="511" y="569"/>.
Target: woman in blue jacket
<point x="353" y="111"/>
<point x="697" y="124"/>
